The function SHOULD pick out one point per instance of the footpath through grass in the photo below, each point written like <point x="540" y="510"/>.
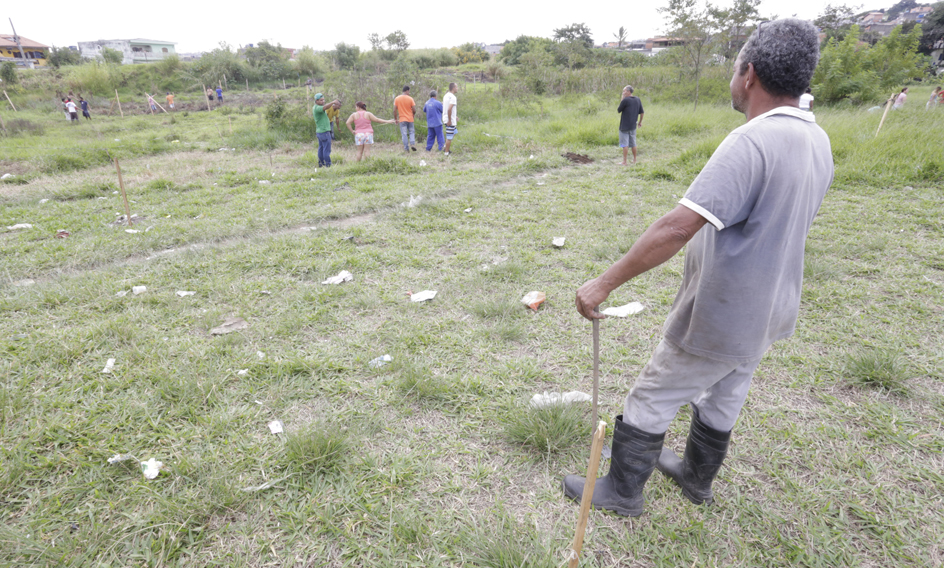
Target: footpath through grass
<point x="435" y="459"/>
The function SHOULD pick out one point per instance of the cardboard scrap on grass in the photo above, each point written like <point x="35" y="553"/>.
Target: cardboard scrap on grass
<point x="229" y="325"/>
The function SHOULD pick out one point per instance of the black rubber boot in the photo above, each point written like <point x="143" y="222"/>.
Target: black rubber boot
<point x="704" y="454"/>
<point x="634" y="457"/>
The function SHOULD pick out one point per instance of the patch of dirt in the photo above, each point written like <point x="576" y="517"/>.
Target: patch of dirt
<point x="578" y="158"/>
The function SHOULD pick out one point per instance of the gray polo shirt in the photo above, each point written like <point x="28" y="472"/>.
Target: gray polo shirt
<point x="744" y="269"/>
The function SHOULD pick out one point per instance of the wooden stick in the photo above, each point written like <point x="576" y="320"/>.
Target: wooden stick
<point x="247" y="85"/>
<point x="887" y="106"/>
<point x="119" y="104"/>
<point x="9" y="101"/>
<point x="587" y="497"/>
<point x="596" y="367"/>
<point x="283" y="83"/>
<point x="158" y="104"/>
<point x="230" y="125"/>
<point x="124" y="195"/>
<point x="207" y="97"/>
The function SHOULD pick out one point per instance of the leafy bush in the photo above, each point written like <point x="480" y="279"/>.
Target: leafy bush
<point x="8" y="73"/>
<point x="96" y="78"/>
<point x="470" y="53"/>
<point x="112" y="56"/>
<point x="168" y="66"/>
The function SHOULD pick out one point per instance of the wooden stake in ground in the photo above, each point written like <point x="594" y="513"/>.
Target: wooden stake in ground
<point x="9" y="101"/>
<point x="230" y="125"/>
<point x="888" y="105"/>
<point x="207" y="97"/>
<point x="119" y="104"/>
<point x="247" y="85"/>
<point x="587" y="496"/>
<point x="124" y="195"/>
<point x="596" y="367"/>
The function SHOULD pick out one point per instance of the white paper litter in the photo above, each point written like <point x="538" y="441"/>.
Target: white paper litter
<point x="151" y="468"/>
<point x="548" y="399"/>
<point x="121" y="294"/>
<point x="380" y="361"/>
<point x="422" y="163"/>
<point x="109" y="365"/>
<point x="275" y="426"/>
<point x="558" y="241"/>
<point x="118" y="458"/>
<point x="7" y="176"/>
<point x="263" y="181"/>
<point x="260" y="354"/>
<point x="623" y="311"/>
<point x="242" y="372"/>
<point x="343" y="276"/>
<point x="132" y="231"/>
<point x="423" y="296"/>
<point x="138" y="289"/>
<point x="184" y="293"/>
<point x="19" y="226"/>
<point x="414" y="201"/>
<point x="469" y="210"/>
<point x="531" y="157"/>
<point x="41" y="201"/>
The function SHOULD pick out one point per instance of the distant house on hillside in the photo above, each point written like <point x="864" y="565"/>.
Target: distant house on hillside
<point x="34" y="51"/>
<point x="133" y="50"/>
<point x="493" y="49"/>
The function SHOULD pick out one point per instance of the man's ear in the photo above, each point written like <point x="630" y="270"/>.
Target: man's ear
<point x="749" y="76"/>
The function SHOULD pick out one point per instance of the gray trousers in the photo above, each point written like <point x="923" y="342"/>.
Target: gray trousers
<point x="674" y="377"/>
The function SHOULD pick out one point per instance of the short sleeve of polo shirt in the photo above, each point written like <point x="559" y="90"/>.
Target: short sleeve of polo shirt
<point x="725" y="191"/>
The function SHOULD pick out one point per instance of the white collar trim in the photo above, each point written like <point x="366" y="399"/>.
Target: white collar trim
<point x="789" y="111"/>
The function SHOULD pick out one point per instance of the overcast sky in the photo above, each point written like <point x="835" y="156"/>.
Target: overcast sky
<point x="201" y="25"/>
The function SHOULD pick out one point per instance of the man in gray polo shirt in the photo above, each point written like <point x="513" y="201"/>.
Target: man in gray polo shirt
<point x="745" y="219"/>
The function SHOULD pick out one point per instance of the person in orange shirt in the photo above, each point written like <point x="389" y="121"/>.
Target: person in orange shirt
<point x="170" y="100"/>
<point x="404" y="107"/>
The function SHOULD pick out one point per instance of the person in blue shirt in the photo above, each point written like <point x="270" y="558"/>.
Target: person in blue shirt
<point x="434" y="124"/>
<point x="85" y="111"/>
<point x="219" y="94"/>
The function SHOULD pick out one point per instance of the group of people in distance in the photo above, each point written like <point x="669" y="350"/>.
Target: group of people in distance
<point x="72" y="110"/>
<point x="937" y="98"/>
<point x="441" y="123"/>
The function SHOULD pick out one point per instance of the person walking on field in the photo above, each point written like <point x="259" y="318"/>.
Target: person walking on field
<point x="932" y="102"/>
<point x="450" y="116"/>
<point x="323" y="129"/>
<point x="70" y="108"/>
<point x="630" y="109"/>
<point x="806" y="100"/>
<point x="363" y="131"/>
<point x="209" y="93"/>
<point x="434" y="123"/>
<point x="219" y="95"/>
<point x="900" y="100"/>
<point x="745" y="220"/>
<point x="85" y="108"/>
<point x="404" y="107"/>
<point x="170" y="100"/>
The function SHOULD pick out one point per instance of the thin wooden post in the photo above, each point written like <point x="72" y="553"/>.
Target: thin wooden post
<point x="157" y="103"/>
<point x="230" y="125"/>
<point x="884" y="114"/>
<point x="124" y="195"/>
<point x="206" y="97"/>
<point x="247" y="85"/>
<point x="119" y="104"/>
<point x="9" y="101"/>
<point x="587" y="496"/>
<point x="224" y="81"/>
<point x="283" y="83"/>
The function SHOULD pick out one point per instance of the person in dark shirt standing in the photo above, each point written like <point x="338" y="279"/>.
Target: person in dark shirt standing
<point x="630" y="108"/>
<point x="85" y="108"/>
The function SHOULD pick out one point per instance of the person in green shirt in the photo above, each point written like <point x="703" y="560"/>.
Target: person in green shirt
<point x="323" y="129"/>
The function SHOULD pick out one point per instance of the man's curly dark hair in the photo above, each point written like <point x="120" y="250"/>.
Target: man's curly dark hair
<point x="784" y="53"/>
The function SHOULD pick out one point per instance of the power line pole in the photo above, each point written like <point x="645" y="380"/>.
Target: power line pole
<point x="16" y="38"/>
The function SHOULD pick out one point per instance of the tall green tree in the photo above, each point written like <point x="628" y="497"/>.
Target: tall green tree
<point x="932" y="29"/>
<point x="620" y="36"/>
<point x="693" y="27"/>
<point x="734" y="25"/>
<point x="345" y="56"/>
<point x="513" y="50"/>
<point x="836" y="20"/>
<point x="269" y="61"/>
<point x="574" y="33"/>
<point x="61" y="56"/>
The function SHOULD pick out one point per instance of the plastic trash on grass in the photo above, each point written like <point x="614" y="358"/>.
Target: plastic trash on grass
<point x="109" y="365"/>
<point x="624" y="311"/>
<point x="558" y="241"/>
<point x="151" y="468"/>
<point x="343" y="276"/>
<point x="19" y="226"/>
<point x="380" y="361"/>
<point x="423" y="296"/>
<point x="534" y="300"/>
<point x="184" y="293"/>
<point x="549" y="399"/>
<point x="275" y="427"/>
<point x="229" y="325"/>
<point x="136" y="290"/>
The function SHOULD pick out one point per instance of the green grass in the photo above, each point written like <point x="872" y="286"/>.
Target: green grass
<point x="435" y="460"/>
